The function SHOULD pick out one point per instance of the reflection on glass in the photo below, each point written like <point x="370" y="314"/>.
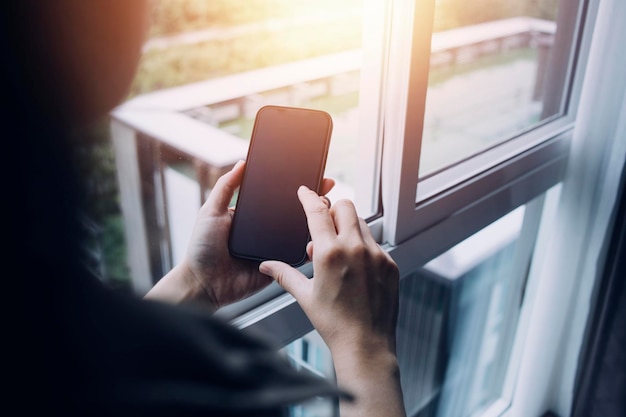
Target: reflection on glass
<point x="311" y="353"/>
<point x="488" y="64"/>
<point x="457" y="317"/>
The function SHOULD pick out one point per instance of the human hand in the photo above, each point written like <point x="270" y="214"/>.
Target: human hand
<point x="225" y="279"/>
<point x="352" y="299"/>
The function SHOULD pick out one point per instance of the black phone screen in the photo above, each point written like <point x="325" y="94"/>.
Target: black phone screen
<point x="288" y="148"/>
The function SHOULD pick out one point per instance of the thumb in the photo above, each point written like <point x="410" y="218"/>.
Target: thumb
<point x="223" y="190"/>
<point x="292" y="280"/>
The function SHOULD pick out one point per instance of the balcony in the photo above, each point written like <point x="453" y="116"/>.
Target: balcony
<point x="172" y="145"/>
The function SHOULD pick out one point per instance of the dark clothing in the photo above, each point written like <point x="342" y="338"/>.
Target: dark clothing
<point x="75" y="347"/>
<point x="110" y="354"/>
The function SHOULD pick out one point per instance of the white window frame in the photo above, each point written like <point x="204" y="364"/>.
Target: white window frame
<point x="416" y="233"/>
<point x="412" y="205"/>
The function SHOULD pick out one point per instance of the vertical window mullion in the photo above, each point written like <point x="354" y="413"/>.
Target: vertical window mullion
<point x="373" y="72"/>
<point x="404" y="105"/>
<point x="569" y="23"/>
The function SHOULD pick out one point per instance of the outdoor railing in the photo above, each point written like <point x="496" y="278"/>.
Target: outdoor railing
<point x="155" y="130"/>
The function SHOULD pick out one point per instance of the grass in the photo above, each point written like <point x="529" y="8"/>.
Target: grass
<point x="242" y="126"/>
<point x="441" y="75"/>
<point x="165" y="68"/>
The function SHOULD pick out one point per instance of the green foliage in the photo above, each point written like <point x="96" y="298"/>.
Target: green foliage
<point x="175" y="16"/>
<point x="95" y="161"/>
<point x="187" y="63"/>
<point x="114" y="250"/>
<point x="258" y="48"/>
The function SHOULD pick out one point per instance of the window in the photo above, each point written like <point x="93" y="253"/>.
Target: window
<point x="451" y="119"/>
<point x="457" y="321"/>
<point x="299" y="53"/>
<point x="306" y="54"/>
<point x="487" y="75"/>
<point x="420" y="195"/>
<point x="311" y="354"/>
<point x="458" y="316"/>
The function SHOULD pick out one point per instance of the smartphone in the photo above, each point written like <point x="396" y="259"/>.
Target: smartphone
<point x="288" y="148"/>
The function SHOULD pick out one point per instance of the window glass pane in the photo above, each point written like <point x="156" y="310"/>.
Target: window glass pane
<point x="489" y="63"/>
<point x="206" y="68"/>
<point x="457" y="319"/>
<point x="247" y="54"/>
<point x="311" y="353"/>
